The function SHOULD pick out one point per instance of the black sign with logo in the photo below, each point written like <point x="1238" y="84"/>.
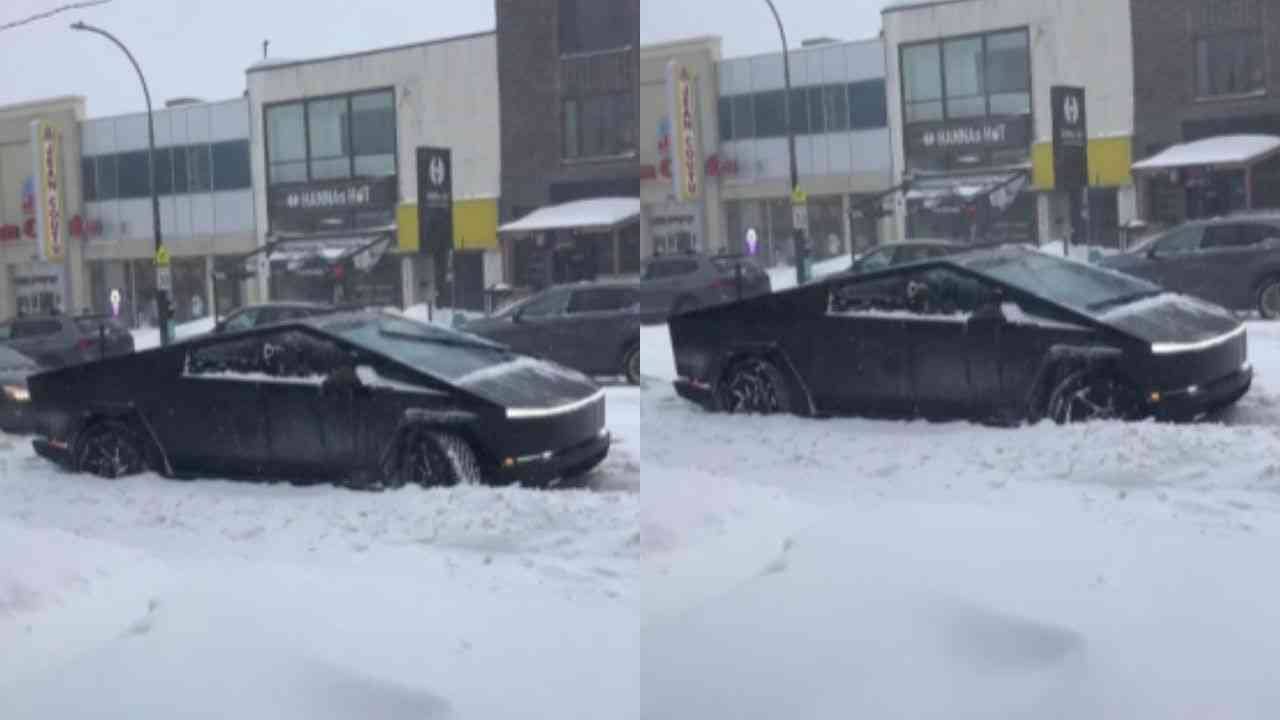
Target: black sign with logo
<point x="977" y="134"/>
<point x="1070" y="138"/>
<point x="435" y="200"/>
<point x="324" y="196"/>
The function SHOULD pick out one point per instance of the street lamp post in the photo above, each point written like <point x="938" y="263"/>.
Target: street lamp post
<point x="162" y="294"/>
<point x="797" y="230"/>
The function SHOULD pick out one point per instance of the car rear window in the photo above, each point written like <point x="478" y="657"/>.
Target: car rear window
<point x="36" y="328"/>
<point x="601" y="300"/>
<point x="91" y="324"/>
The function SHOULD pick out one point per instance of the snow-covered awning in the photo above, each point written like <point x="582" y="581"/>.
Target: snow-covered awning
<point x="600" y="214"/>
<point x="966" y="188"/>
<point x="328" y="248"/>
<point x="1221" y="151"/>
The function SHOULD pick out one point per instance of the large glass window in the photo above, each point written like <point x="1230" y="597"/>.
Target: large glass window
<point x="726" y="119"/>
<point x="327" y="133"/>
<point x="1230" y="63"/>
<point x="132" y="171"/>
<point x="817" y="118"/>
<point x="965" y="92"/>
<point x="90" y="190"/>
<point x="286" y="144"/>
<point x="199" y="169"/>
<point x="231" y="165"/>
<point x="835" y="108"/>
<point x="373" y="133"/>
<point x="922" y="82"/>
<point x="598" y="126"/>
<point x="164" y="170"/>
<point x="744" y="121"/>
<point x="770" y="109"/>
<point x="1008" y="80"/>
<point x="108" y="178"/>
<point x="590" y="25"/>
<point x="180" y="169"/>
<point x="867" y="107"/>
<point x="800" y="110"/>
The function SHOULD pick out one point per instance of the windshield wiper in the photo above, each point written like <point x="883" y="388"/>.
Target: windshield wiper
<point x="1123" y="300"/>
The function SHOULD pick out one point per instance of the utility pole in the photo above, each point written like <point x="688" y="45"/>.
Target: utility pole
<point x="799" y="207"/>
<point x="163" y="277"/>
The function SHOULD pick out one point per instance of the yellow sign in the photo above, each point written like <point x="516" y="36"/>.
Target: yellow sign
<point x="162" y="257"/>
<point x="799" y="197"/>
<point x="686" y="159"/>
<point x="47" y="151"/>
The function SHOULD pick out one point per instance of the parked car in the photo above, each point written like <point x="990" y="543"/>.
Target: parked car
<point x="902" y="252"/>
<point x="593" y="327"/>
<point x="1232" y="261"/>
<point x="252" y="316"/>
<point x="674" y="284"/>
<point x="1006" y="335"/>
<point x="15" y="401"/>
<point x="59" y="340"/>
<point x="363" y="398"/>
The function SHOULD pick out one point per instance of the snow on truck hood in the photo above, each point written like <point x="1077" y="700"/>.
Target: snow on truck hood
<point x="1174" y="323"/>
<point x="529" y="387"/>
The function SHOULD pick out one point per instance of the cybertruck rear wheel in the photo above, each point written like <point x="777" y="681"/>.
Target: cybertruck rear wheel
<point x="435" y="459"/>
<point x="109" y="449"/>
<point x="754" y="386"/>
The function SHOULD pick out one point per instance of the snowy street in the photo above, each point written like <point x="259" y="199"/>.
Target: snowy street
<point x="859" y="568"/>
<point x="144" y="596"/>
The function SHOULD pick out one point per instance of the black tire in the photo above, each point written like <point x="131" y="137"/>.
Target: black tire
<point x="754" y="386"/>
<point x="631" y="364"/>
<point x="1087" y="395"/>
<point x="109" y="449"/>
<point x="439" y="459"/>
<point x="1269" y="298"/>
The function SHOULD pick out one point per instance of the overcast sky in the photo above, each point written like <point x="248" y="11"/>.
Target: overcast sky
<point x="746" y="27"/>
<point x="201" y="47"/>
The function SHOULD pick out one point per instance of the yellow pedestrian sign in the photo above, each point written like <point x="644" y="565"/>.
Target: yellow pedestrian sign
<point x="162" y="257"/>
<point x="799" y="197"/>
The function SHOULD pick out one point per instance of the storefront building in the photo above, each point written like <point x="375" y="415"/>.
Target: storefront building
<point x="837" y="105"/>
<point x="568" y="72"/>
<point x="969" y="111"/>
<point x="206" y="208"/>
<point x="1205" y="69"/>
<point x="334" y="160"/>
<point x="668" y="222"/>
<point x="41" y="207"/>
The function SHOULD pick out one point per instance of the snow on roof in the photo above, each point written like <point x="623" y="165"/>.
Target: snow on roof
<point x="592" y="214"/>
<point x="1220" y="150"/>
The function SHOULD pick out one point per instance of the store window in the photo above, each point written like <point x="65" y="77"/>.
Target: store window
<point x="922" y="82"/>
<point x="771" y="110"/>
<point x="1230" y="63"/>
<point x="108" y="179"/>
<point x="286" y="144"/>
<point x="599" y="126"/>
<point x="963" y="63"/>
<point x="592" y="25"/>
<point x="180" y="169"/>
<point x="231" y="165"/>
<point x="744" y="120"/>
<point x="163" y="170"/>
<point x="90" y="189"/>
<point x="800" y="111"/>
<point x="332" y="138"/>
<point x="1008" y="74"/>
<point x="726" y="119"/>
<point x="373" y="133"/>
<point x="867" y="108"/>
<point x="835" y="108"/>
<point x="199" y="169"/>
<point x="132" y="172"/>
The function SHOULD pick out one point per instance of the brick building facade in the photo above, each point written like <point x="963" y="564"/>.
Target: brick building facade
<point x="568" y="72"/>
<point x="1204" y="68"/>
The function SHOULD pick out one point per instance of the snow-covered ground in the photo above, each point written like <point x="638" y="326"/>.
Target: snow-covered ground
<point x="860" y="568"/>
<point x="147" y="598"/>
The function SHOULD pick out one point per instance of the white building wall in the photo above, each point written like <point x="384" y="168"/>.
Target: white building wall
<point x="1073" y="42"/>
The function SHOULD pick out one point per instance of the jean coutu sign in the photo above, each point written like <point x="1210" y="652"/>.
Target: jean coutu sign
<point x="327" y="196"/>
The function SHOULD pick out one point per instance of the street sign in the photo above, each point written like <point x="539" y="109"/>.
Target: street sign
<point x="800" y="217"/>
<point x="164" y="278"/>
<point x="162" y="257"/>
<point x="799" y="197"/>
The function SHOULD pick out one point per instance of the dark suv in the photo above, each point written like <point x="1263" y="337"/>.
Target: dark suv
<point x="675" y="284"/>
<point x="58" y="340"/>
<point x="1232" y="261"/>
<point x="590" y="326"/>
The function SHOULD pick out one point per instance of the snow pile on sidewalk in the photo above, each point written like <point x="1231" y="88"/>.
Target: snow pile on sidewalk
<point x="147" y="338"/>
